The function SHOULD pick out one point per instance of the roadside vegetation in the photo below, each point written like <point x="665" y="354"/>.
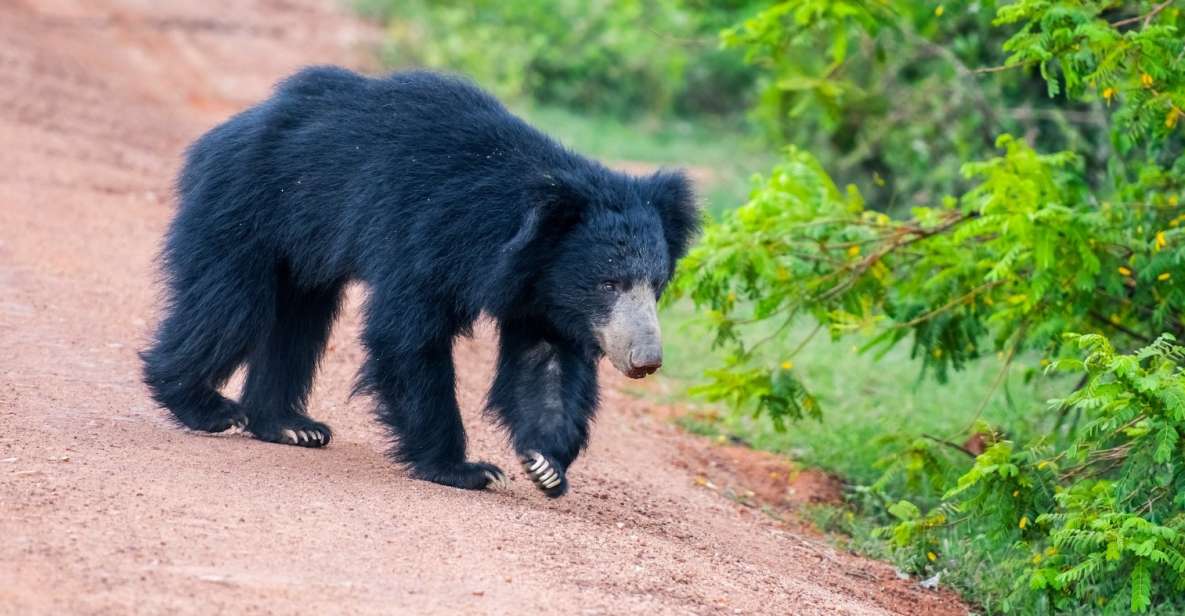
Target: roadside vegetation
<point x="943" y="258"/>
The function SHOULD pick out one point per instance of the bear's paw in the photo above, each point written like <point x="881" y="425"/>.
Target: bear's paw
<point x="547" y="475"/>
<point x="301" y="432"/>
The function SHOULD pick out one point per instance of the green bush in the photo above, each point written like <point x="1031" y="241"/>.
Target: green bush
<point x="612" y="57"/>
<point x="1071" y="225"/>
<point x="1100" y="521"/>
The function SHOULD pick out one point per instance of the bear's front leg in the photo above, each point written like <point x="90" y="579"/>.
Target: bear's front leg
<point x="545" y="394"/>
<point x="414" y="380"/>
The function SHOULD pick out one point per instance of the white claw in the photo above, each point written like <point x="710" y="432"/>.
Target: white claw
<point x="498" y="480"/>
<point x="289" y="436"/>
<point x="320" y="437"/>
<point x="539" y="465"/>
<point x="548" y="476"/>
<point x="553" y="483"/>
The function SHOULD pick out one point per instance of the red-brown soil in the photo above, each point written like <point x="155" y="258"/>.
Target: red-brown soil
<point x="107" y="508"/>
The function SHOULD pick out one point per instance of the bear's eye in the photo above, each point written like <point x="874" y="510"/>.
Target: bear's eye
<point x="609" y="286"/>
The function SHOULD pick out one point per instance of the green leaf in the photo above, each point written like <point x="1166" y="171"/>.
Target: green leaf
<point x="904" y="510"/>
<point x="1141" y="583"/>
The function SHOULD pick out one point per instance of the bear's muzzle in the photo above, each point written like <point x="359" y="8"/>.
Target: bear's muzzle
<point x="631" y="337"/>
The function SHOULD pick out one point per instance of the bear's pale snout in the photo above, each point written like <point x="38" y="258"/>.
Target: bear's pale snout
<point x="631" y="338"/>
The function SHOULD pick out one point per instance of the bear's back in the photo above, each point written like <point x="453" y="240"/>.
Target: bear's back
<point x="407" y="94"/>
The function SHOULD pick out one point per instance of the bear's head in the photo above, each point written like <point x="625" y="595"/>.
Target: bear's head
<point x="602" y="247"/>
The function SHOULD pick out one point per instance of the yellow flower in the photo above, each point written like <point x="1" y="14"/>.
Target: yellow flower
<point x="1108" y="94"/>
<point x="1024" y="522"/>
<point x="1036" y="558"/>
<point x="938" y="13"/>
<point x="1051" y="551"/>
<point x="787" y="365"/>
<point x="1173" y="200"/>
<point x="1160" y="242"/>
<point x="1164" y="276"/>
<point x="1015" y="493"/>
<point x="1146" y="80"/>
<point x="854" y="251"/>
<point x="1125" y="271"/>
<point x="1170" y="120"/>
<point x="931" y="555"/>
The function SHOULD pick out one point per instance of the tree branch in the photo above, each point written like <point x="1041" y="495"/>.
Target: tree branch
<point x="951" y="304"/>
<point x="904" y="237"/>
<point x="1146" y="18"/>
<point x="952" y="445"/>
<point x="1001" y="68"/>
<point x="1094" y="314"/>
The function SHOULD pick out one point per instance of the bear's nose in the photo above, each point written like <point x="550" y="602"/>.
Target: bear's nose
<point x="645" y="361"/>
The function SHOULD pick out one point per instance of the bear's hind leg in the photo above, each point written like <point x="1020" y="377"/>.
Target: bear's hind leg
<point x="211" y="324"/>
<point x="281" y="370"/>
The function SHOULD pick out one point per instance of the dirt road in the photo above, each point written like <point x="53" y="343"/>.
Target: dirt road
<point x="106" y="508"/>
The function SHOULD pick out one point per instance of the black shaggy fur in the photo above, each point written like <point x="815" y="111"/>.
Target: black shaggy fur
<point x="444" y="205"/>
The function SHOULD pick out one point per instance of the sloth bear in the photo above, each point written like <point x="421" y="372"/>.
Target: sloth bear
<point x="444" y="205"/>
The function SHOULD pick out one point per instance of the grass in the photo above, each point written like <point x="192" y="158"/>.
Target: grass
<point x="866" y="401"/>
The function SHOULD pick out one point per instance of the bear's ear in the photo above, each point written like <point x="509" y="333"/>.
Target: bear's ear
<point x="553" y="209"/>
<point x="672" y="195"/>
<point x="554" y="206"/>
